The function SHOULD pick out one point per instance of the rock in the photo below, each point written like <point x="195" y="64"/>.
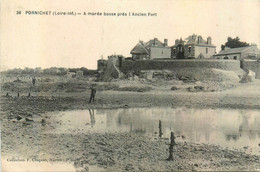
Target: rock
<point x="86" y="168"/>
<point x="25" y="123"/>
<point x="246" y="79"/>
<point x="174" y="88"/>
<point x="189" y="88"/>
<point x="14" y="120"/>
<point x="129" y="167"/>
<point x="28" y="120"/>
<point x="201" y="88"/>
<point x="18" y="117"/>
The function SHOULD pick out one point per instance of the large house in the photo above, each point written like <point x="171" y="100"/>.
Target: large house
<point x="193" y="47"/>
<point x="250" y="52"/>
<point x="153" y="49"/>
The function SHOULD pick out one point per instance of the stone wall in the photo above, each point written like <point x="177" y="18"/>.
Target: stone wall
<point x="137" y="65"/>
<point x="251" y="65"/>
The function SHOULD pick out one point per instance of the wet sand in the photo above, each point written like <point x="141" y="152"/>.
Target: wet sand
<point x="117" y="151"/>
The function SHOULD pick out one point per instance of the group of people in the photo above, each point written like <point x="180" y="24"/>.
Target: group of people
<point x="92" y="88"/>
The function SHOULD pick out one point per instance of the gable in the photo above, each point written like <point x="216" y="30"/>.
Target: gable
<point x="154" y="43"/>
<point x="139" y="49"/>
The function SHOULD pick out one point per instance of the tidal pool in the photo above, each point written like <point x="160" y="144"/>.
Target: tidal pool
<point x="236" y="129"/>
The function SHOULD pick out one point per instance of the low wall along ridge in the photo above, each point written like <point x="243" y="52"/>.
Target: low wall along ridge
<point x="137" y="65"/>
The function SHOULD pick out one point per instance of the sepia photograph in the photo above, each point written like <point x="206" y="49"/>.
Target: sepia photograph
<point x="129" y="85"/>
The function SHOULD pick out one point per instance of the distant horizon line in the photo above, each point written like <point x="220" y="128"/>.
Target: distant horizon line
<point x="42" y="68"/>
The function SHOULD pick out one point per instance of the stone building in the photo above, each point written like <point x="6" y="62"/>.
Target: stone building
<point x="250" y="52"/>
<point x="113" y="59"/>
<point x="193" y="47"/>
<point x="153" y="49"/>
<point x="102" y="64"/>
<point x="116" y="60"/>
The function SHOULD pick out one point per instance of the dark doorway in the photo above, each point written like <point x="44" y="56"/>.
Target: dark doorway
<point x="180" y="54"/>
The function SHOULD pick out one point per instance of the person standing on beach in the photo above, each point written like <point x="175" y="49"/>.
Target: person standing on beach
<point x="93" y="93"/>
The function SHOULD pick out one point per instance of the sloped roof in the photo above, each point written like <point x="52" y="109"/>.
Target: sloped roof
<point x="142" y="47"/>
<point x="154" y="43"/>
<point x="233" y="50"/>
<point x="139" y="49"/>
<point x="193" y="39"/>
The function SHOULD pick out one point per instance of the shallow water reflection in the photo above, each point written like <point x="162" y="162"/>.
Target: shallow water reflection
<point x="224" y="127"/>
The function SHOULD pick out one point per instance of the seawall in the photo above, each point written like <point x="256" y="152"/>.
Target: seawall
<point x="137" y="65"/>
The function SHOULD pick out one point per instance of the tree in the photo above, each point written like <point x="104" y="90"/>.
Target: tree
<point x="234" y="43"/>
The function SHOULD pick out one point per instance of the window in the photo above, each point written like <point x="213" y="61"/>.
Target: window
<point x="226" y="57"/>
<point x="174" y="51"/>
<point x="189" y="49"/>
<point x="207" y="50"/>
<point x="235" y="58"/>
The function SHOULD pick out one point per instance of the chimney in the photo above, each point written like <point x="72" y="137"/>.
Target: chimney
<point x="199" y="39"/>
<point x="165" y="42"/>
<point x="154" y="42"/>
<point x="209" y="40"/>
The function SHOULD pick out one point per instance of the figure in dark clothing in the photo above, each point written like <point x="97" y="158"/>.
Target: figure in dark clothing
<point x="93" y="93"/>
<point x="18" y="94"/>
<point x="33" y="81"/>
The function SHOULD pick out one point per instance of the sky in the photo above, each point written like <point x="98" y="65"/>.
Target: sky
<point x="79" y="41"/>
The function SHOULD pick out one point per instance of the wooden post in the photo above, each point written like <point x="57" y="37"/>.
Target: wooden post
<point x="170" y="158"/>
<point x="160" y="129"/>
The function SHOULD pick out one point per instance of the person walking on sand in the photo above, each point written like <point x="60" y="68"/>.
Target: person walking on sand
<point x="93" y="93"/>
